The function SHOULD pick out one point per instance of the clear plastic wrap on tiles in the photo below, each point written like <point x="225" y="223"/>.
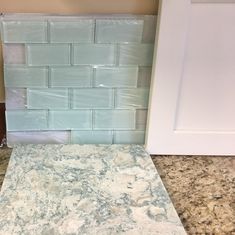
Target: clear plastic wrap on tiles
<point x="77" y="79"/>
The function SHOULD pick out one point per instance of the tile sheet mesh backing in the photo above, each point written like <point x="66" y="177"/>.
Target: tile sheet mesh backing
<point x="77" y="79"/>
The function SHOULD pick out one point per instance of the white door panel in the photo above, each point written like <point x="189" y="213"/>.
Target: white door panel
<point x="192" y="103"/>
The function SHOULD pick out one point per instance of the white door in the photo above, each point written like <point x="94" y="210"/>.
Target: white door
<point x="192" y="101"/>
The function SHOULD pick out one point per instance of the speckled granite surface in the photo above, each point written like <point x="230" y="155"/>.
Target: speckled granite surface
<point x="202" y="189"/>
<point x="72" y="189"/>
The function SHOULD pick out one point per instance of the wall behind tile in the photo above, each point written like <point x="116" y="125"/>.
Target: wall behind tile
<point x="74" y="7"/>
<point x="80" y="6"/>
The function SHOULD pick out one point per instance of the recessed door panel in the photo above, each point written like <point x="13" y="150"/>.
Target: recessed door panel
<point x="192" y="102"/>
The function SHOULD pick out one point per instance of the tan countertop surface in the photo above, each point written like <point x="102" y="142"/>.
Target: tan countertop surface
<point x="201" y="188"/>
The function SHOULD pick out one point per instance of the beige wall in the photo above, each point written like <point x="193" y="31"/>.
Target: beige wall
<point x="74" y="7"/>
<point x="80" y="6"/>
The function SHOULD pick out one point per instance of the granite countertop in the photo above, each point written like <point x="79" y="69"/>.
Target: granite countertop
<point x="202" y="189"/>
<point x="85" y="189"/>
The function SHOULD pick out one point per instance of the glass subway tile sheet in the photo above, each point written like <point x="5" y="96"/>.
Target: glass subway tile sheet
<point x="77" y="79"/>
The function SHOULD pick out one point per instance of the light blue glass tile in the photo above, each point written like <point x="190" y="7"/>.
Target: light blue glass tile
<point x="36" y="137"/>
<point x="141" y="119"/>
<point x="26" y="120"/>
<point x="132" y="98"/>
<point x="116" y="77"/>
<point x="91" y="137"/>
<point x="24" y="31"/>
<point x="150" y="25"/>
<point x="114" y="31"/>
<point x="81" y="31"/>
<point x="14" y="54"/>
<point x="92" y="98"/>
<point x="129" y="137"/>
<point x="114" y="119"/>
<point x="95" y="54"/>
<point x="15" y="98"/>
<point x="47" y="99"/>
<point x="49" y="54"/>
<point x="144" y="77"/>
<point x="71" y="77"/>
<point x="70" y="120"/>
<point x="136" y="54"/>
<point x="25" y="77"/>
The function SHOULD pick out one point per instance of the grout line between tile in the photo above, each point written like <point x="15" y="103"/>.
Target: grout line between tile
<point x="70" y="98"/>
<point x="138" y="77"/>
<point x="113" y="136"/>
<point x="25" y="99"/>
<point x="71" y="54"/>
<point x="70" y="137"/>
<point x="135" y="119"/>
<point x="117" y="49"/>
<point x="48" y="76"/>
<point x="48" y="119"/>
<point x="92" y="119"/>
<point x="94" y="31"/>
<point x="48" y="32"/>
<point x="114" y="97"/>
<point x="26" y="49"/>
<point x="93" y="77"/>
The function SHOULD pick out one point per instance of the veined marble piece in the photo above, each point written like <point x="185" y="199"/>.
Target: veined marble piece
<point x="85" y="189"/>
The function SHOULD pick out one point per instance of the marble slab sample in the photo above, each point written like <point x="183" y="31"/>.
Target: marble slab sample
<point x="85" y="189"/>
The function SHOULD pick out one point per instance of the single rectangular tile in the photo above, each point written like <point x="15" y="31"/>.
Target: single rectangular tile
<point x="116" y="77"/>
<point x="14" y="54"/>
<point x="70" y="120"/>
<point x="47" y="98"/>
<point x="80" y="31"/>
<point x="129" y="137"/>
<point x="144" y="76"/>
<point x="25" y="77"/>
<point x="136" y="54"/>
<point x="26" y="120"/>
<point x="149" y="32"/>
<point x="114" y="31"/>
<point x="24" y="31"/>
<point x="114" y="119"/>
<point x="132" y="98"/>
<point x="141" y="119"/>
<point x="15" y="98"/>
<point x="92" y="98"/>
<point x="48" y="54"/>
<point x="71" y="76"/>
<point x="37" y="137"/>
<point x="94" y="54"/>
<point x="91" y="137"/>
